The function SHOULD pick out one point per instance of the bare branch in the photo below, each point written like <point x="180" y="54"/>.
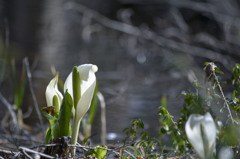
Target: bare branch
<point x="25" y="154"/>
<point x="35" y="152"/>
<point x="7" y="152"/>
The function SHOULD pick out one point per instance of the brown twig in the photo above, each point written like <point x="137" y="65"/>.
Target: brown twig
<point x="35" y="152"/>
<point x="25" y="154"/>
<point x="7" y="152"/>
<point x="16" y="155"/>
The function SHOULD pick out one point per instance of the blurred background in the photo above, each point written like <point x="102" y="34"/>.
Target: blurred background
<point x="144" y="49"/>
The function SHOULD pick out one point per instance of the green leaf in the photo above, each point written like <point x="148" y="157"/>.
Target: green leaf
<point x="126" y="129"/>
<point x="93" y="107"/>
<point x="48" y="135"/>
<point x="163" y="131"/>
<point x="19" y="86"/>
<point x="85" y="140"/>
<point x="206" y="63"/>
<point x="220" y="72"/>
<point x="99" y="153"/>
<point x="140" y="124"/>
<point x="224" y="82"/>
<point x="145" y="136"/>
<point x="234" y="95"/>
<point x="65" y="115"/>
<point x="55" y="129"/>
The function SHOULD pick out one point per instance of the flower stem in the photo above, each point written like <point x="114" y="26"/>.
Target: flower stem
<point x="75" y="131"/>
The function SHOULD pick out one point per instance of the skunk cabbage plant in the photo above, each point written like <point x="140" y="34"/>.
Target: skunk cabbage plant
<point x="201" y="132"/>
<point x="80" y="84"/>
<point x="78" y="92"/>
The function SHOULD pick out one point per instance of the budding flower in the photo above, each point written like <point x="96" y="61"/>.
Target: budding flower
<point x="80" y="84"/>
<point x="53" y="95"/>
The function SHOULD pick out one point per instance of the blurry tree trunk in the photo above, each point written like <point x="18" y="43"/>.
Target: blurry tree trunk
<point x="54" y="30"/>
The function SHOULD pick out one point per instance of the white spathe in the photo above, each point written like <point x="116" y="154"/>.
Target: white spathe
<point x="201" y="132"/>
<point x="51" y="91"/>
<point x="88" y="83"/>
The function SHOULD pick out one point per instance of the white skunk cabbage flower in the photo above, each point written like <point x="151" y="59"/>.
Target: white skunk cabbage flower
<point x="80" y="84"/>
<point x="53" y="95"/>
<point x="201" y="132"/>
<point x="87" y="86"/>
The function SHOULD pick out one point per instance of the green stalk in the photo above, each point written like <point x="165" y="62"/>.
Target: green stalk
<point x="56" y="103"/>
<point x="75" y="131"/>
<point x="76" y="86"/>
